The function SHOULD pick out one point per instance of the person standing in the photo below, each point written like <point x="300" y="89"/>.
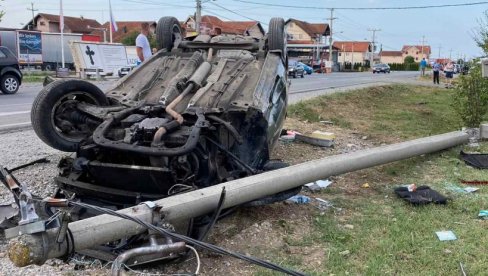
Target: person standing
<point x="436" y="68"/>
<point x="423" y="65"/>
<point x="449" y="71"/>
<point x="142" y="44"/>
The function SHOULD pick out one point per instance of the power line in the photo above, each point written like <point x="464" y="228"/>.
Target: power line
<point x="365" y="8"/>
<point x="231" y="11"/>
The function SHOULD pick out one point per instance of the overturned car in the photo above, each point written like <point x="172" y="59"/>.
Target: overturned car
<point x="199" y="112"/>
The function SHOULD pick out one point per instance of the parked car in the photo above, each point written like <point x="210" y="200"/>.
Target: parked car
<point x="308" y="69"/>
<point x="381" y="68"/>
<point x="457" y="68"/>
<point x="123" y="71"/>
<point x="10" y="75"/>
<point x="295" y="70"/>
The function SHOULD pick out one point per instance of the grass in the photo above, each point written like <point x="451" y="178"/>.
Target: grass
<point x="391" y="237"/>
<point x="379" y="111"/>
<point x="35" y="76"/>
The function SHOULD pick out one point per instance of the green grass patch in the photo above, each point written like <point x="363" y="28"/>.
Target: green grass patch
<point x="389" y="236"/>
<point x="388" y="111"/>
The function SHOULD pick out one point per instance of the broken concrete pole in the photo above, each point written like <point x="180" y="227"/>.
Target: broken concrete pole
<point x="104" y="228"/>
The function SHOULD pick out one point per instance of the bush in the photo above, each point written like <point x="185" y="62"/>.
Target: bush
<point x="409" y="59"/>
<point x="471" y="98"/>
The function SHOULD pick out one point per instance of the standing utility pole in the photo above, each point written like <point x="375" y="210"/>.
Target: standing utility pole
<point x="450" y="54"/>
<point x="331" y="20"/>
<point x="198" y="16"/>
<point x="32" y="10"/>
<point x="371" y="58"/>
<point x="440" y="47"/>
<point x="423" y="43"/>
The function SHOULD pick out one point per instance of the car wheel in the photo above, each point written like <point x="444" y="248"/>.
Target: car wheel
<point x="9" y="84"/>
<point x="55" y="118"/>
<point x="168" y="31"/>
<point x="295" y="75"/>
<point x="303" y="75"/>
<point x="281" y="196"/>
<point x="276" y="35"/>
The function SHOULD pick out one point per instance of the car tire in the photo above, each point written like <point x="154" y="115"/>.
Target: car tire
<point x="303" y="75"/>
<point x="281" y="196"/>
<point x="276" y="35"/>
<point x="168" y="31"/>
<point x="9" y="84"/>
<point x="295" y="75"/>
<point x="56" y="95"/>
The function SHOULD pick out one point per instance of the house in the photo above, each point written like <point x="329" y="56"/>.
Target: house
<point x="124" y="29"/>
<point x="213" y="25"/>
<point x="50" y="23"/>
<point x="416" y="51"/>
<point x="307" y="41"/>
<point x="391" y="57"/>
<point x="353" y="51"/>
<point x="301" y="32"/>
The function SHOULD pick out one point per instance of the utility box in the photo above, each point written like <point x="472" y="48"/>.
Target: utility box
<point x="484" y="67"/>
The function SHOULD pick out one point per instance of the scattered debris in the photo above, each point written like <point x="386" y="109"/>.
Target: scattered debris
<point x="421" y="196"/>
<point x="345" y="253"/>
<point x="349" y="226"/>
<point x="471" y="189"/>
<point x="365" y="185"/>
<point x="287" y="135"/>
<point x="317" y="138"/>
<point x="474" y="182"/>
<point x="477" y="160"/>
<point x="462" y="269"/>
<point x="483" y="214"/>
<point x="457" y="189"/>
<point x="364" y="138"/>
<point x="324" y="204"/>
<point x="299" y="199"/>
<point x="327" y="122"/>
<point x="446" y="236"/>
<point x="447" y="251"/>
<point x="318" y="185"/>
<point x="412" y="188"/>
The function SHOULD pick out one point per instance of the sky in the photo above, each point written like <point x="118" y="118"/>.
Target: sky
<point x="449" y="28"/>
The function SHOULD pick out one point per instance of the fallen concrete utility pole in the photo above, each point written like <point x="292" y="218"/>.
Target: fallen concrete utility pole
<point x="87" y="233"/>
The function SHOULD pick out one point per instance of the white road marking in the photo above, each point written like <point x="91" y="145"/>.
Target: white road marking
<point x="14" y="113"/>
<point x="17" y="124"/>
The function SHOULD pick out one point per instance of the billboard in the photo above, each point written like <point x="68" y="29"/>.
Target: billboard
<point x="29" y="47"/>
<point x="106" y="57"/>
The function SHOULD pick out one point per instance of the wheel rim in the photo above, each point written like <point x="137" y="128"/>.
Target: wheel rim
<point x="176" y="34"/>
<point x="11" y="84"/>
<point x="62" y="116"/>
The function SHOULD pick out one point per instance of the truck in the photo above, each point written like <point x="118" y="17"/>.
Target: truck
<point x="39" y="49"/>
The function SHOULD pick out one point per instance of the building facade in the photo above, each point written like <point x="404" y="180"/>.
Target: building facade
<point x="416" y="51"/>
<point x="391" y="57"/>
<point x="353" y="51"/>
<point x="213" y="25"/>
<point x="50" y="23"/>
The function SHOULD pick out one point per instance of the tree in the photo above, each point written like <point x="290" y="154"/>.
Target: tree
<point x="480" y="35"/>
<point x="471" y="98"/>
<point x="130" y="39"/>
<point x="2" y="13"/>
<point x="409" y="59"/>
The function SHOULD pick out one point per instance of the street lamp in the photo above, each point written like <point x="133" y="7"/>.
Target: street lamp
<point x="104" y="30"/>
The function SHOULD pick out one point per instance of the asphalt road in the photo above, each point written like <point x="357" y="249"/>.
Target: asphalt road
<point x="15" y="109"/>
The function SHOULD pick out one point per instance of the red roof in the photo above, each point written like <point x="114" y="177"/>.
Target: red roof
<point x="124" y="28"/>
<point x="75" y="24"/>
<point x="300" y="42"/>
<point x="391" y="53"/>
<point x="427" y="49"/>
<point x="352" y="46"/>
<point x="229" y="27"/>
<point x="312" y="29"/>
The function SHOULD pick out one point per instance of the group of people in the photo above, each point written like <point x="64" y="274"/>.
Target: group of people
<point x="448" y="70"/>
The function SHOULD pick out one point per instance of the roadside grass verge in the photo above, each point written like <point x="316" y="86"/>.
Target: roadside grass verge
<point x="35" y="76"/>
<point x="400" y="111"/>
<point x="385" y="235"/>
